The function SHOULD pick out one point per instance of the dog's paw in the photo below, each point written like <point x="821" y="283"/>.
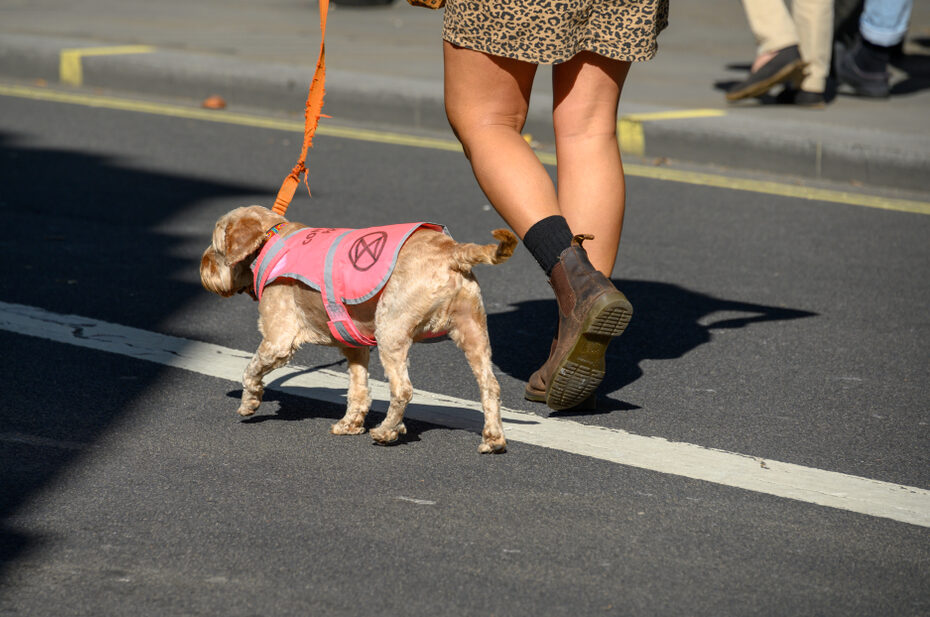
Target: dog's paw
<point x="385" y="435"/>
<point x="492" y="442"/>
<point x="245" y="411"/>
<point x="344" y="428"/>
<point x="494" y="447"/>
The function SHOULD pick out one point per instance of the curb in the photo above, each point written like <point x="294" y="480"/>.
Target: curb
<point x="862" y="156"/>
<point x="712" y="137"/>
<point x="276" y="87"/>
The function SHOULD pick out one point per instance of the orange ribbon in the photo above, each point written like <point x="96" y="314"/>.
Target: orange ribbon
<point x="312" y="112"/>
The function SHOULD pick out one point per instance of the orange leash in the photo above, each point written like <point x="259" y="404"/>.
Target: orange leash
<point x="312" y="112"/>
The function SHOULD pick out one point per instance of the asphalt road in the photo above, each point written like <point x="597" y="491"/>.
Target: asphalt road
<point x="781" y="328"/>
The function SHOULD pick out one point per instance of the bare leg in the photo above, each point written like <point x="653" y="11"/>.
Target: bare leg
<point x="486" y="101"/>
<point x="470" y="333"/>
<point x="359" y="401"/>
<point x="592" y="190"/>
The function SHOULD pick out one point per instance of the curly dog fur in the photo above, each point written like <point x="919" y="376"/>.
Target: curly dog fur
<point x="432" y="289"/>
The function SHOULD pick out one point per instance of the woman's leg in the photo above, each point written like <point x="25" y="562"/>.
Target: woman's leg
<point x="487" y="98"/>
<point x="486" y="101"/>
<point x="592" y="191"/>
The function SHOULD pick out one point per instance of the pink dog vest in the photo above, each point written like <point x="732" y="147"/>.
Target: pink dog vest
<point x="347" y="266"/>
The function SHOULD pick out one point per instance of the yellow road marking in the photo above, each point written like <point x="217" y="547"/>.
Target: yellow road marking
<point x="677" y="114"/>
<point x="779" y="188"/>
<point x="70" y="67"/>
<point x="631" y="136"/>
<point x="767" y="187"/>
<point x="226" y="117"/>
<point x="386" y="137"/>
<point x="630" y="127"/>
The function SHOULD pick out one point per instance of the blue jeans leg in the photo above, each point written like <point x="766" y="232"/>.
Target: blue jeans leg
<point x="884" y="22"/>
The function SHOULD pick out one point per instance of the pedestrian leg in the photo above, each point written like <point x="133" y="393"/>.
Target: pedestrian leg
<point x="592" y="189"/>
<point x="487" y="98"/>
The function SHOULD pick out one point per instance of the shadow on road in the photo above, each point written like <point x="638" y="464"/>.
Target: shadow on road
<point x="80" y="236"/>
<point x="86" y="234"/>
<point x="668" y="322"/>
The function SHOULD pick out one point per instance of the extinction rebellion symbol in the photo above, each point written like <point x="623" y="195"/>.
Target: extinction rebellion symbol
<point x="366" y="251"/>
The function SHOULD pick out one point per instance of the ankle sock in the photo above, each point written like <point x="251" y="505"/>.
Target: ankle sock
<point x="546" y="240"/>
<point x="872" y="58"/>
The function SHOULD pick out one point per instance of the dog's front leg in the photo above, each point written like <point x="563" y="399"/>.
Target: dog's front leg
<point x="393" y="352"/>
<point x="269" y="356"/>
<point x="359" y="402"/>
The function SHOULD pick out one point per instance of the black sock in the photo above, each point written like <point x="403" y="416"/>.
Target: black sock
<point x="872" y="58"/>
<point x="546" y="240"/>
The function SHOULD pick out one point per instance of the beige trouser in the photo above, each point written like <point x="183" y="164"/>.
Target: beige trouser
<point x="809" y="26"/>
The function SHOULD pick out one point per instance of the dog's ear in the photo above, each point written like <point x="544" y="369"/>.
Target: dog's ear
<point x="214" y="276"/>
<point x="244" y="234"/>
<point x="243" y="237"/>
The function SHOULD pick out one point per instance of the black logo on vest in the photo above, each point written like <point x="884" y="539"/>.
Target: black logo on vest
<point x="313" y="233"/>
<point x="366" y="251"/>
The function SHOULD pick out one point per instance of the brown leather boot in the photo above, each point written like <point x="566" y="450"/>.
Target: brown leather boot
<point x="536" y="386"/>
<point x="591" y="312"/>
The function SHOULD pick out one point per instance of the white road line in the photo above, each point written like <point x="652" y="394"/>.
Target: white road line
<point x="826" y="488"/>
<point x="419" y="502"/>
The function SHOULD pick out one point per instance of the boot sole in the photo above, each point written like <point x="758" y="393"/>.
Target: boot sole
<point x="582" y="369"/>
<point x="588" y="404"/>
<point x="790" y="72"/>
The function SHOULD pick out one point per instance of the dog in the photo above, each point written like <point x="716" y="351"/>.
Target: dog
<point x="430" y="290"/>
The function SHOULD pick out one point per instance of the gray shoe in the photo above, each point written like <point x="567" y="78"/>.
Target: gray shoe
<point x="786" y="65"/>
<point x="873" y="85"/>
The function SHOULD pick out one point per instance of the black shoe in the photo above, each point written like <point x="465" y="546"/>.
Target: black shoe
<point x="813" y="100"/>
<point x="802" y="98"/>
<point x="786" y="65"/>
<point x="871" y="84"/>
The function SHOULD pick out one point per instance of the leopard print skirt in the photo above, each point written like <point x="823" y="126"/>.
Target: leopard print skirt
<point x="552" y="31"/>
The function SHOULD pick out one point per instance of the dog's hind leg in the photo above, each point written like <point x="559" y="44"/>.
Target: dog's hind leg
<point x="469" y="331"/>
<point x="272" y="353"/>
<point x="394" y="351"/>
<point x="353" y="423"/>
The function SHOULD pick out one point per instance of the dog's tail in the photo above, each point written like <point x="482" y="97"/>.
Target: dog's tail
<point x="467" y="255"/>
